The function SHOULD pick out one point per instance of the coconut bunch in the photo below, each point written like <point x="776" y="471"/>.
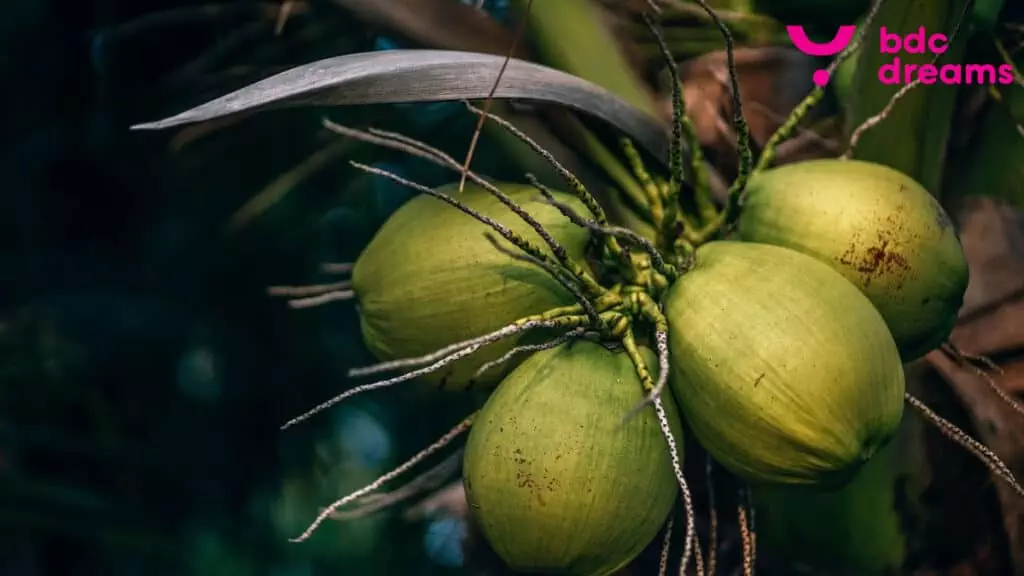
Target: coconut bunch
<point x="771" y="328"/>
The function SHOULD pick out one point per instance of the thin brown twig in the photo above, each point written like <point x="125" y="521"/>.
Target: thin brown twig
<point x="282" y="16"/>
<point x="490" y="97"/>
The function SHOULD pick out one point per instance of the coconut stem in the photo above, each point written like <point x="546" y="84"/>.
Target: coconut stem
<point x="960" y="356"/>
<point x="664" y="268"/>
<point x="683" y="134"/>
<point x="652" y="192"/>
<point x="630" y="346"/>
<point x="440" y="443"/>
<point x="753" y="524"/>
<point x="743" y="142"/>
<point x="416" y="147"/>
<point x="383" y="384"/>
<point x="650" y="310"/>
<point x="419" y="149"/>
<point x="573" y="267"/>
<point x="788" y="128"/>
<point x="979" y="450"/>
<point x="575" y="185"/>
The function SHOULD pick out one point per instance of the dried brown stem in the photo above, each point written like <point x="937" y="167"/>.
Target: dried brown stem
<point x="490" y="97"/>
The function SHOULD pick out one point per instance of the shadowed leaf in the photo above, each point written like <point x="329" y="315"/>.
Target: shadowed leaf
<point x="401" y="76"/>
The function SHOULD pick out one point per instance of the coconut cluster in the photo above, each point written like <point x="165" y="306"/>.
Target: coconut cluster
<point x="772" y="329"/>
<point x="784" y="346"/>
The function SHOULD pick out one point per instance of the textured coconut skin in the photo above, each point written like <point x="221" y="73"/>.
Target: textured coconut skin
<point x="784" y="370"/>
<point x="877" y="227"/>
<point x="429" y="278"/>
<point x="555" y="480"/>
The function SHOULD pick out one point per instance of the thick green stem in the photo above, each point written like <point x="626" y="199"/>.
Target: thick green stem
<point x="788" y="128"/>
<point x="630" y="346"/>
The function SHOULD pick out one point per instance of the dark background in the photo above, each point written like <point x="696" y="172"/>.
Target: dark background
<point x="143" y="370"/>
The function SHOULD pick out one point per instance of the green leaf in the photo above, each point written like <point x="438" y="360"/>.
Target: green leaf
<point x="573" y="35"/>
<point x="914" y="136"/>
<point x="994" y="162"/>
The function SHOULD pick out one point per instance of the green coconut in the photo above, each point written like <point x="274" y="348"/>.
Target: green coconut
<point x="876" y="226"/>
<point x="556" y="480"/>
<point x="784" y="370"/>
<point x="430" y="278"/>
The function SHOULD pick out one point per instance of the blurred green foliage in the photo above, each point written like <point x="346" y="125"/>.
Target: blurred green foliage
<point x="143" y="370"/>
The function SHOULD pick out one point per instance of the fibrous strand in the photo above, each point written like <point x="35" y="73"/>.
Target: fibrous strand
<point x="383" y="384"/>
<point x="657" y="260"/>
<point x="558" y="274"/>
<point x="709" y="473"/>
<point x="951" y="431"/>
<point x="376" y="484"/>
<point x="421" y="150"/>
<point x="677" y="468"/>
<point x="877" y="119"/>
<point x="314" y="301"/>
<point x="666" y="547"/>
<point x="501" y="229"/>
<point x="575" y="185"/>
<point x="309" y="290"/>
<point x="429" y="480"/>
<point x="504" y="332"/>
<point x="531" y="348"/>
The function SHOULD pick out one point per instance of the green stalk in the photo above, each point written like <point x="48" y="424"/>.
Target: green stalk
<point x="520" y="153"/>
<point x="573" y="36"/>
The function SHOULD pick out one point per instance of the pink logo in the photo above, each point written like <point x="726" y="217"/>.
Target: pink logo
<point x="804" y="44"/>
